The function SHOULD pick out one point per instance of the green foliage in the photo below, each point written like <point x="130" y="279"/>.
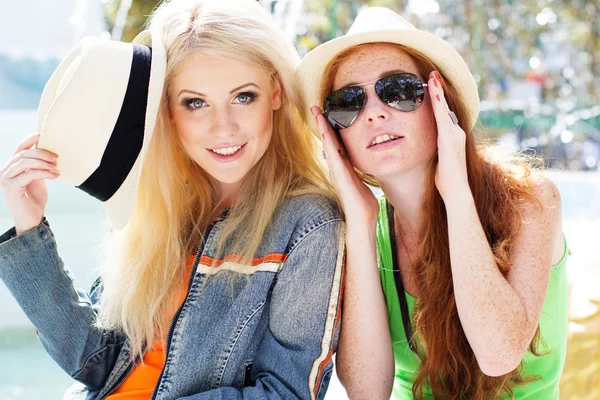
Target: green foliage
<point x="138" y="14"/>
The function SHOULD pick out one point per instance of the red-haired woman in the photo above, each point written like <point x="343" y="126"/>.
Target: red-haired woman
<point x="470" y="254"/>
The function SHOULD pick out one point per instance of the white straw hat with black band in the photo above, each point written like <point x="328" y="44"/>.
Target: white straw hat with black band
<point x="379" y="24"/>
<point x="98" y="112"/>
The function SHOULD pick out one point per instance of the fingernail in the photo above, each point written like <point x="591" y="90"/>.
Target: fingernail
<point x="313" y="112"/>
<point x="437" y="75"/>
<point x="437" y="96"/>
<point x="442" y="82"/>
<point x="323" y="136"/>
<point x="435" y="82"/>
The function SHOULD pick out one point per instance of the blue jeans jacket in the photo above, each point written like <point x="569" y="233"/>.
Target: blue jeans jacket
<point x="265" y="331"/>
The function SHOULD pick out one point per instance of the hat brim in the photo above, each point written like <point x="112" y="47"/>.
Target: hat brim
<point x="311" y="70"/>
<point x="119" y="207"/>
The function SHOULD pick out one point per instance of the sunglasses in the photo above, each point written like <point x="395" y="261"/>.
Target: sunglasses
<point x="403" y="92"/>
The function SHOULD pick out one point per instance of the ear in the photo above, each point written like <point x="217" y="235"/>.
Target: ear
<point x="276" y="95"/>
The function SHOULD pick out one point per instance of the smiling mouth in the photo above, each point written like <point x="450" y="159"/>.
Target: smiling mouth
<point x="227" y="151"/>
<point x="384" y="139"/>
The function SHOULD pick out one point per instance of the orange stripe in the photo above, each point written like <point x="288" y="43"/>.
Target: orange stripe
<point x="273" y="257"/>
<point x="335" y="324"/>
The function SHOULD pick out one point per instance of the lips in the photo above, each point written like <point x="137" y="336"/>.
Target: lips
<point x="227" y="150"/>
<point x="384" y="137"/>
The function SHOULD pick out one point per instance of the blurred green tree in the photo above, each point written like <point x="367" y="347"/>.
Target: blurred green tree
<point x="513" y="47"/>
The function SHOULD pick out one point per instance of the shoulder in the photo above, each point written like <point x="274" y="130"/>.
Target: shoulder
<point x="309" y="214"/>
<point x="547" y="197"/>
<point x="543" y="217"/>
<point x="309" y="209"/>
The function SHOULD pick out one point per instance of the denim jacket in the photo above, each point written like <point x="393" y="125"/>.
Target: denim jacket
<point x="261" y="331"/>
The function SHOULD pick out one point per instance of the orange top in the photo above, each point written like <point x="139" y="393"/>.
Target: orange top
<point x="140" y="384"/>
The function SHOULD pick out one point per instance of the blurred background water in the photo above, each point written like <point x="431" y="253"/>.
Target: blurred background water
<point x="537" y="65"/>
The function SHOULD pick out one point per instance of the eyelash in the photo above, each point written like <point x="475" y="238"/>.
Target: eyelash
<point x="251" y="97"/>
<point x="188" y="102"/>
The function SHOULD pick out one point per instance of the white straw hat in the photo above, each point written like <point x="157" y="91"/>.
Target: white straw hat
<point x="379" y="24"/>
<point x="98" y="112"/>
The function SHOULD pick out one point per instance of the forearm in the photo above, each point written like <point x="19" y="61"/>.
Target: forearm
<point x="491" y="313"/>
<point x="365" y="360"/>
<point x="34" y="273"/>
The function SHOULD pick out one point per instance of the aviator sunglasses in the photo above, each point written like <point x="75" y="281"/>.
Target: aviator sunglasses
<point x="401" y="91"/>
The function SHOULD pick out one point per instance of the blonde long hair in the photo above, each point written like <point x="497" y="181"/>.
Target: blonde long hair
<point x="145" y="262"/>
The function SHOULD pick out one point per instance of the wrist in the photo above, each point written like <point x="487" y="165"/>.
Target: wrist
<point x="361" y="236"/>
<point x="24" y="228"/>
<point x="458" y="190"/>
<point x="458" y="200"/>
<point x="361" y="225"/>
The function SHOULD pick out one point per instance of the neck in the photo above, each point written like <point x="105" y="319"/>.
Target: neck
<point x="405" y="192"/>
<point x="226" y="195"/>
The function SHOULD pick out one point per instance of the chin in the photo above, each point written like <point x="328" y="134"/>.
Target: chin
<point x="379" y="168"/>
<point x="388" y="170"/>
<point x="229" y="178"/>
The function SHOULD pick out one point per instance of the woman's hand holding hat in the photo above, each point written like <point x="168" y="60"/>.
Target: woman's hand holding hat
<point x="22" y="181"/>
<point x="358" y="201"/>
<point x="451" y="175"/>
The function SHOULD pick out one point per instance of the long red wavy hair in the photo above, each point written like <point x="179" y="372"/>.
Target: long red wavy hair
<point x="448" y="364"/>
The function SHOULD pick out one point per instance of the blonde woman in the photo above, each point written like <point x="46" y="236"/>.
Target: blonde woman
<point x="456" y="276"/>
<point x="225" y="283"/>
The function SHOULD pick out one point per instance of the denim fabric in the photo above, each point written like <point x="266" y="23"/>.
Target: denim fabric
<point x="261" y="331"/>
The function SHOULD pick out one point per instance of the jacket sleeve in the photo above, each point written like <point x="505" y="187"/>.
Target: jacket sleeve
<point x="294" y="359"/>
<point x="36" y="276"/>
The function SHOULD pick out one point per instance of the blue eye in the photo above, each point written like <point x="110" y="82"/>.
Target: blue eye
<point x="194" y="104"/>
<point x="246" y="97"/>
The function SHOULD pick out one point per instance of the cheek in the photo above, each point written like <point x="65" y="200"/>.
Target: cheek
<point x="184" y="125"/>
<point x="257" y="122"/>
<point x="424" y="128"/>
<point x="263" y="122"/>
<point x="349" y="139"/>
<point x="429" y="132"/>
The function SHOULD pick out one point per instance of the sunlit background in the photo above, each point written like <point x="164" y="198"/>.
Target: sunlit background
<point x="537" y="66"/>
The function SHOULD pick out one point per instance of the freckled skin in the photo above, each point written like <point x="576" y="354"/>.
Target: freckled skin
<point x="499" y="315"/>
<point x="418" y="127"/>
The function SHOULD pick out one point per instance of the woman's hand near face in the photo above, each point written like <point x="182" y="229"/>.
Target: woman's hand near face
<point x="451" y="175"/>
<point x="22" y="181"/>
<point x="365" y="360"/>
<point x="359" y="203"/>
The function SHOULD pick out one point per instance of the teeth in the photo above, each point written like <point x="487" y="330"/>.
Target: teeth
<point x="383" y="138"/>
<point x="227" y="151"/>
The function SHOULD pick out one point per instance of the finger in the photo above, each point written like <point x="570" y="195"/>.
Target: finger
<point x="21" y="181"/>
<point x="327" y="131"/>
<point x="28" y="142"/>
<point x="331" y="144"/>
<point x="29" y="163"/>
<point x="33" y="153"/>
<point x="438" y="101"/>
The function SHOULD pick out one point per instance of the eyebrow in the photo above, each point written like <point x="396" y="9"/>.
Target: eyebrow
<point x="232" y="90"/>
<point x="385" y="73"/>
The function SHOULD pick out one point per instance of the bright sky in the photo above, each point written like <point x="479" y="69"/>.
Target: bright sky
<point x="42" y="29"/>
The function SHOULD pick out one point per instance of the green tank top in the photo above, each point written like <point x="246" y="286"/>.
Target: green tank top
<point x="553" y="328"/>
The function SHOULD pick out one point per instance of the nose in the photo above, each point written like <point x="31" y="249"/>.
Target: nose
<point x="222" y="123"/>
<point x="375" y="110"/>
